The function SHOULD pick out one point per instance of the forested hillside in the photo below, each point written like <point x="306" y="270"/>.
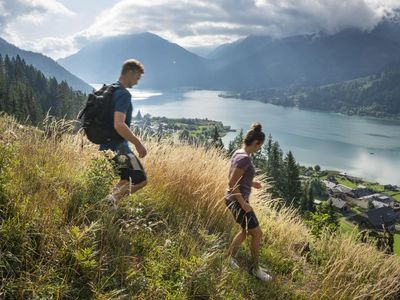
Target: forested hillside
<point x="27" y="94"/>
<point x="377" y="95"/>
<point x="46" y="65"/>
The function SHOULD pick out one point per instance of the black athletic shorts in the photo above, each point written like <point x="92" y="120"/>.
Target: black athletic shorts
<point x="129" y="167"/>
<point x="248" y="220"/>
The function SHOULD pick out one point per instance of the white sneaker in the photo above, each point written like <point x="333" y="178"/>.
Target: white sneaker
<point x="233" y="264"/>
<point x="261" y="274"/>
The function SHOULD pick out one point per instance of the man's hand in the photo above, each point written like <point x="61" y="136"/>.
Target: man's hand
<point x="247" y="207"/>
<point x="141" y="150"/>
<point x="256" y="185"/>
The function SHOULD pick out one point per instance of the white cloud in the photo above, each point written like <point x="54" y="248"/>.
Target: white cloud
<point x="27" y="11"/>
<point x="50" y="6"/>
<point x="201" y="22"/>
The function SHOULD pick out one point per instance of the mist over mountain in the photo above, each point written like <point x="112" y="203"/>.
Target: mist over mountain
<point x="45" y="64"/>
<point x="166" y="64"/>
<point x="249" y="63"/>
<point x="306" y="59"/>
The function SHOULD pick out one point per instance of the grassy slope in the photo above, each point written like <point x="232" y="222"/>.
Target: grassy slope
<point x="165" y="242"/>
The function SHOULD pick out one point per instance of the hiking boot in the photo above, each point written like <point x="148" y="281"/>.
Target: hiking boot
<point x="261" y="274"/>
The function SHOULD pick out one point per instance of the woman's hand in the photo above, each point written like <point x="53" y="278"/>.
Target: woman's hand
<point x="256" y="185"/>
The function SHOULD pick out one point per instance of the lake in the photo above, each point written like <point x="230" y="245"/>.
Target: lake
<point x="361" y="146"/>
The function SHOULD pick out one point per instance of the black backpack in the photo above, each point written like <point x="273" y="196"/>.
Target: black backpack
<point x="98" y="116"/>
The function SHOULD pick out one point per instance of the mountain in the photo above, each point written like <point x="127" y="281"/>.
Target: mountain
<point x="260" y="61"/>
<point x="166" y="64"/>
<point x="250" y="63"/>
<point x="377" y="95"/>
<point x="45" y="64"/>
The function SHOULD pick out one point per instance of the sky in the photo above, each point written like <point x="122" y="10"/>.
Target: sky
<point x="59" y="28"/>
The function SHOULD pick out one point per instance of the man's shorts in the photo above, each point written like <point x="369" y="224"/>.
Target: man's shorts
<point x="128" y="166"/>
<point x="248" y="220"/>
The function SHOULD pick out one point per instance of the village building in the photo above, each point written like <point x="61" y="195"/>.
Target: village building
<point x="339" y="204"/>
<point x="377" y="197"/>
<point x="377" y="219"/>
<point x="389" y="187"/>
<point x="362" y="191"/>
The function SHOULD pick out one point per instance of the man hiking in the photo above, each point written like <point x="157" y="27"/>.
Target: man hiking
<point x="131" y="172"/>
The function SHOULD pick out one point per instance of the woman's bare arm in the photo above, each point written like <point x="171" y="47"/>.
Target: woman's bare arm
<point x="234" y="187"/>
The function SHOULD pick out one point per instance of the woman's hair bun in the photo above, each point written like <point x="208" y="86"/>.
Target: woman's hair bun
<point x="256" y="127"/>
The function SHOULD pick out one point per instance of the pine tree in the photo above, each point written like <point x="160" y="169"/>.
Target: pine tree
<point x="304" y="199"/>
<point x="27" y="94"/>
<point x="216" y="139"/>
<point x="307" y="198"/>
<point x="275" y="170"/>
<point x="236" y="143"/>
<point x="292" y="188"/>
<point x="269" y="145"/>
<point x="138" y="115"/>
<point x="310" y="198"/>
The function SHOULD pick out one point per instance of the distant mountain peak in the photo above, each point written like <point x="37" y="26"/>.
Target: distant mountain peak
<point x="167" y="64"/>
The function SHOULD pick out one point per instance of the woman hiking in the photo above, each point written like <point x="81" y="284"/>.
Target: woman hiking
<point x="241" y="175"/>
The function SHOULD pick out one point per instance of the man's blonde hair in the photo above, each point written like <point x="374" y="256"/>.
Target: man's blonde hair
<point x="132" y="65"/>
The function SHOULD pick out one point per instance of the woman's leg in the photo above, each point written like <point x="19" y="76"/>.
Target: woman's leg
<point x="256" y="237"/>
<point x="236" y="242"/>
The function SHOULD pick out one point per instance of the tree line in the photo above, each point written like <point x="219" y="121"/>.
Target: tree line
<point x="28" y="95"/>
<point x="377" y="95"/>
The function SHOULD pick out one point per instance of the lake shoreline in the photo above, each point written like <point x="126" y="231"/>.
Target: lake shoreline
<point x="333" y="140"/>
<point x="395" y="118"/>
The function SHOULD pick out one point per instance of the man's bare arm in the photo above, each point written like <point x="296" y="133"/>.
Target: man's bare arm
<point x="124" y="131"/>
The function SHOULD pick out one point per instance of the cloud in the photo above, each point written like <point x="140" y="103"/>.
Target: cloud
<point x="12" y="10"/>
<point x="27" y="11"/>
<point x="204" y="23"/>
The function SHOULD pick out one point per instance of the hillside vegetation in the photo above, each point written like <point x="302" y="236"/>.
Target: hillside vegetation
<point x="49" y="67"/>
<point x="25" y="91"/>
<point x="377" y="95"/>
<point x="59" y="241"/>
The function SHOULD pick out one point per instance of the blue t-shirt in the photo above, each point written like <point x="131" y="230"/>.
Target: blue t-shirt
<point x="122" y="103"/>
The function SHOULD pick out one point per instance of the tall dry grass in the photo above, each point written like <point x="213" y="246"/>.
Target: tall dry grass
<point x="340" y="267"/>
<point x="189" y="184"/>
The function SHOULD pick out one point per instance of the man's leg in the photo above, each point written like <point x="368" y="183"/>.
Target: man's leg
<point x="121" y="189"/>
<point x="135" y="187"/>
<point x="124" y="188"/>
<point x="133" y="178"/>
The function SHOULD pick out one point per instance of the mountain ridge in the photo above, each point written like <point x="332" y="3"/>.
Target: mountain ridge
<point x="45" y="64"/>
<point x="256" y="61"/>
<point x="164" y="62"/>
